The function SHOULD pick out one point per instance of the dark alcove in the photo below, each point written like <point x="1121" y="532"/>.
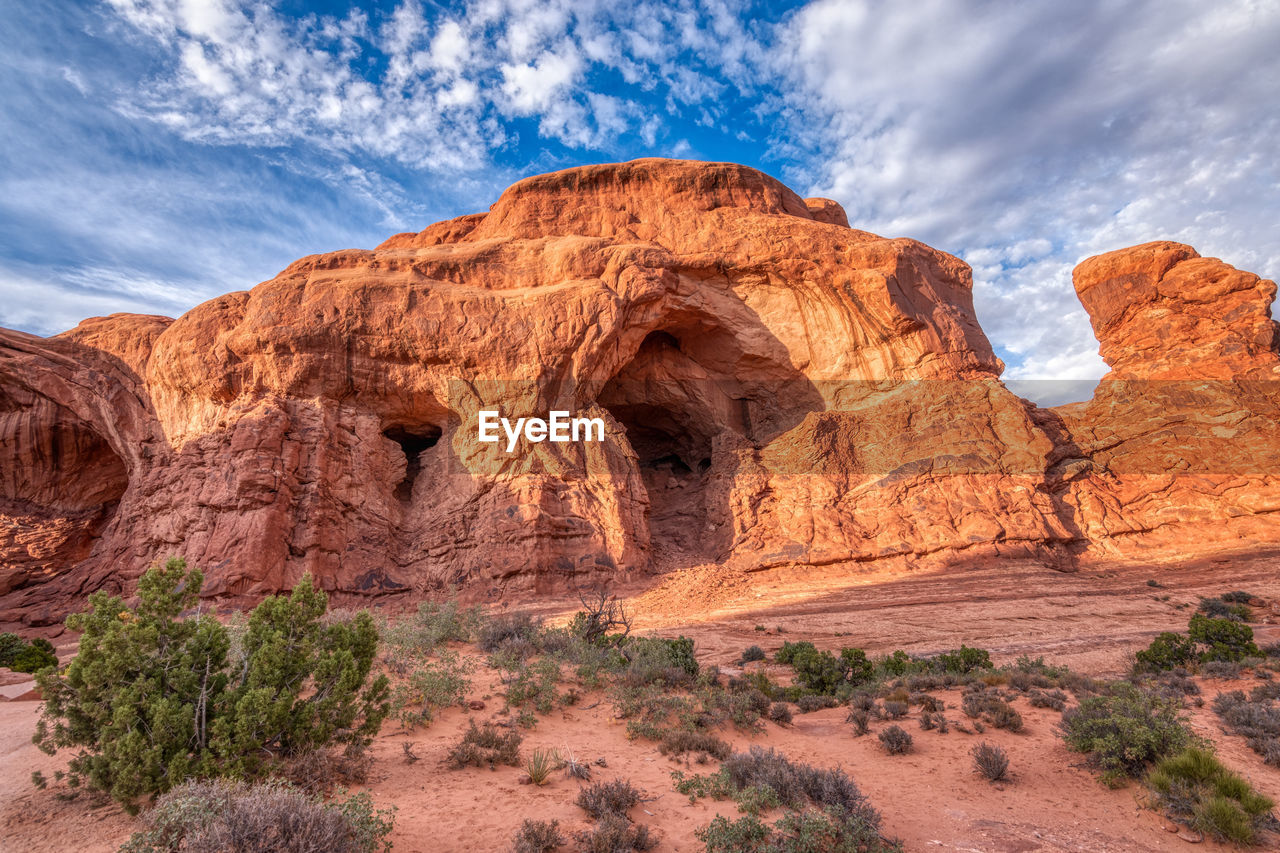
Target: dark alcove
<point x="413" y="441"/>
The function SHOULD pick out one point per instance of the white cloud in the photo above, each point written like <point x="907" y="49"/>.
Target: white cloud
<point x="540" y="85"/>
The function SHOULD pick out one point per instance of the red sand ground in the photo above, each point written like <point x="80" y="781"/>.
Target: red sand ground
<point x="931" y="798"/>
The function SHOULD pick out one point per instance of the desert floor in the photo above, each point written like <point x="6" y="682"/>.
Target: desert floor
<point x="931" y="799"/>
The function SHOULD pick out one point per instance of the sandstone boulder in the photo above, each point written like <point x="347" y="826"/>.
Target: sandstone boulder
<point x="777" y="389"/>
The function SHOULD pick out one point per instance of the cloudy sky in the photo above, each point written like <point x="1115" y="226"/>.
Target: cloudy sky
<point x="155" y="153"/>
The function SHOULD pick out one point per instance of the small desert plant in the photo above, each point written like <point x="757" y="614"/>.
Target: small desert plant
<point x="680" y="741"/>
<point x="752" y="653"/>
<point x="216" y="816"/>
<point x="780" y="713"/>
<point x="601" y="799"/>
<point x="895" y="740"/>
<point x="434" y="623"/>
<point x="534" y="686"/>
<point x="1194" y="787"/>
<point x="540" y="764"/>
<point x="430" y="687"/>
<point x="811" y="702"/>
<point x="811" y="831"/>
<point x="538" y="836"/>
<point x="861" y="721"/>
<point x="1223" y="607"/>
<point x="575" y="769"/>
<point x="793" y="783"/>
<point x="862" y="701"/>
<point x="1223" y="669"/>
<point x="613" y="833"/>
<point x="505" y="628"/>
<point x="1256" y="718"/>
<point x="987" y="706"/>
<point x="927" y="702"/>
<point x="991" y="761"/>
<point x="486" y="746"/>
<point x="1125" y="732"/>
<point x="1055" y="699"/>
<point x="601" y="615"/>
<point x="895" y="710"/>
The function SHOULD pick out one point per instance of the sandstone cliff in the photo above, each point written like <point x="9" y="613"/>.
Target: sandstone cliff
<point x="778" y="388"/>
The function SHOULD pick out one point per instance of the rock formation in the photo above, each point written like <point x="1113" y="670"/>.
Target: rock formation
<point x="778" y="388"/>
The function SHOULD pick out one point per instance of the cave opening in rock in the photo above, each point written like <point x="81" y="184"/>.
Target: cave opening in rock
<point x="414" y="441"/>
<point x="60" y="475"/>
<point x="671" y="409"/>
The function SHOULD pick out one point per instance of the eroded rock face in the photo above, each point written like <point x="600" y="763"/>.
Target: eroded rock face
<point x="777" y="389"/>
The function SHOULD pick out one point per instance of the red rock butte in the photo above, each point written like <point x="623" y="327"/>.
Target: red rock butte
<point x="779" y="389"/>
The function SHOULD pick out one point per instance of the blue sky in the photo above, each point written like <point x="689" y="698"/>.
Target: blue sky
<point x="155" y="153"/>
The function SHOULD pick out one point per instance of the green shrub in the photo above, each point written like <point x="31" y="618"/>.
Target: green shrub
<point x="300" y="684"/>
<point x="130" y="697"/>
<point x="780" y="713"/>
<point x="10" y="645"/>
<point x="896" y="665"/>
<point x="1167" y="651"/>
<point x="534" y="685"/>
<point x="822" y="672"/>
<point x="1125" y="732"/>
<point x="540" y="764"/>
<point x="1223" y="639"/>
<point x="152" y="698"/>
<point x="747" y="834"/>
<point x="34" y="657"/>
<point x="216" y="816"/>
<point x="787" y="654"/>
<point x="1195" y="788"/>
<point x="658" y="660"/>
<point x="752" y="653"/>
<point x="857" y="669"/>
<point x="964" y="660"/>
